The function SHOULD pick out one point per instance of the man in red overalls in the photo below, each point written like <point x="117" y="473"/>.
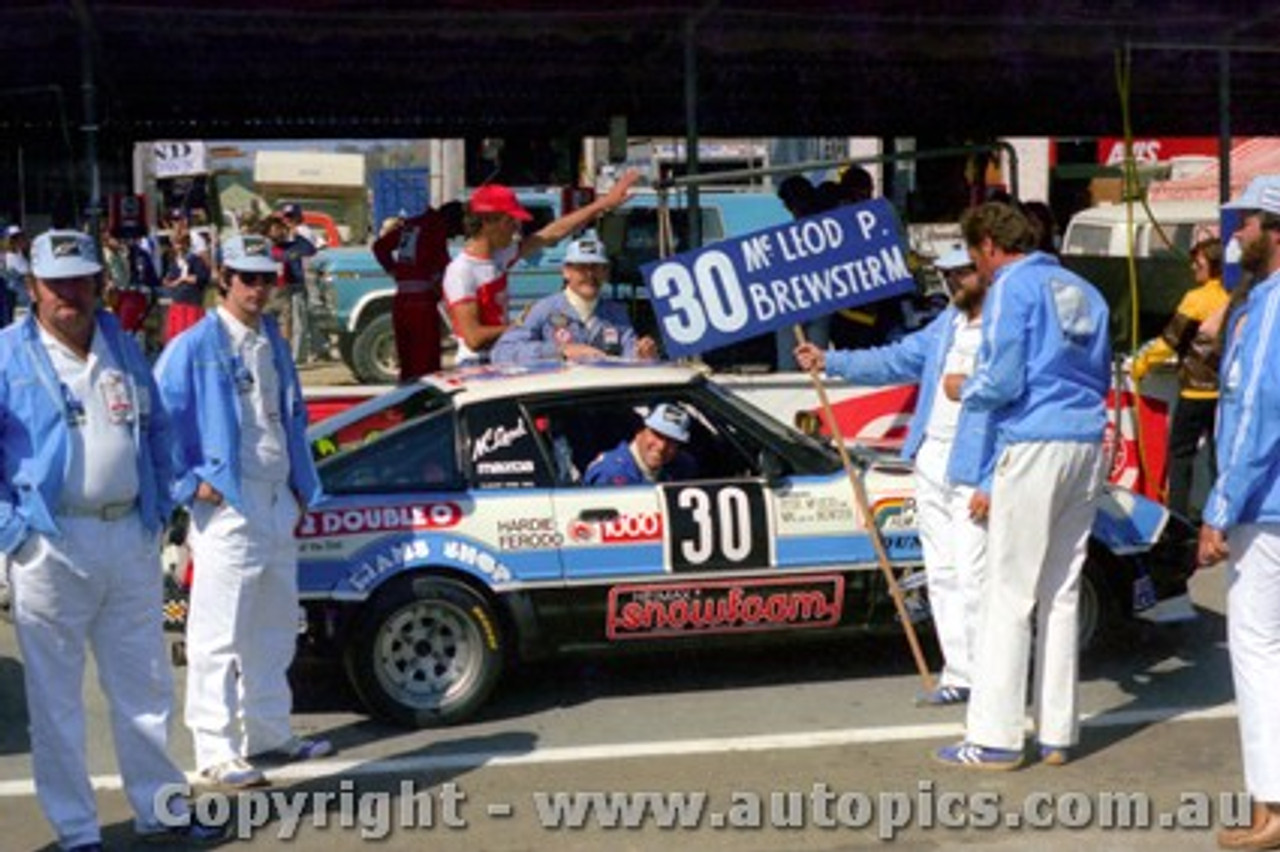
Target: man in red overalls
<point x="416" y="252"/>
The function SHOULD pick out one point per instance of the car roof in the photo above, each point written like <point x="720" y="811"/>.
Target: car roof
<point x="470" y="385"/>
<point x="1182" y="211"/>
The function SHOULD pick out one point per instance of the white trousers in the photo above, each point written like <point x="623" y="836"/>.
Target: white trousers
<point x="97" y="584"/>
<point x="1253" y="631"/>
<point x="242" y="626"/>
<point x="955" y="554"/>
<point x="1043" y="502"/>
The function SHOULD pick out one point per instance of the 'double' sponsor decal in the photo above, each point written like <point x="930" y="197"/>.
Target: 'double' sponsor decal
<point x="654" y="611"/>
<point x="423" y="516"/>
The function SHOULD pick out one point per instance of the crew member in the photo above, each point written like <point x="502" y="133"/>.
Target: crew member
<point x="1043" y="372"/>
<point x="475" y="284"/>
<point x="416" y="252"/>
<point x="655" y="454"/>
<point x="1242" y="514"/>
<point x="575" y="324"/>
<point x="243" y="466"/>
<point x="948" y="445"/>
<point x="83" y="446"/>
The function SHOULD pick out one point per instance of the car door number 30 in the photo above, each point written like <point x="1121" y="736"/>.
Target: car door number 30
<point x="717" y="526"/>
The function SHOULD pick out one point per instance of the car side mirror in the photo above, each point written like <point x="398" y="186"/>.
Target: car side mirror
<point x="772" y="466"/>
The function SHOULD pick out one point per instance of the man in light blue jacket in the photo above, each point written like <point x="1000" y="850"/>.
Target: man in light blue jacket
<point x="1043" y="373"/>
<point x="83" y="446"/>
<point x="243" y="467"/>
<point x="947" y="443"/>
<point x="575" y="324"/>
<point x="1243" y="509"/>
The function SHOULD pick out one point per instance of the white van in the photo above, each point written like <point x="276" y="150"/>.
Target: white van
<point x="1102" y="231"/>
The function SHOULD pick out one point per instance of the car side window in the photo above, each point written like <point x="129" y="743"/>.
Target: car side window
<point x="501" y="449"/>
<point x="417" y="456"/>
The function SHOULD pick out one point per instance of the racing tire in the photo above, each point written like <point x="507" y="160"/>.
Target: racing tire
<point x="1098" y="611"/>
<point x="426" y="652"/>
<point x="346" y="343"/>
<point x="373" y="353"/>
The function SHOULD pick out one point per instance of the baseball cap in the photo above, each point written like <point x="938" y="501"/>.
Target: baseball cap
<point x="64" y="254"/>
<point x="291" y="211"/>
<point x="496" y="198"/>
<point x="13" y="230"/>
<point x="586" y="249"/>
<point x="957" y="258"/>
<point x="248" y="253"/>
<point x="666" y="419"/>
<point x="1262" y="193"/>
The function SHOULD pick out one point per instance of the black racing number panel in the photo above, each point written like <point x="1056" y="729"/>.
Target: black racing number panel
<point x="716" y="526"/>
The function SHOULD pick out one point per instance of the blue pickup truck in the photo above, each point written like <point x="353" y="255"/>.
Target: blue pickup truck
<point x="359" y="291"/>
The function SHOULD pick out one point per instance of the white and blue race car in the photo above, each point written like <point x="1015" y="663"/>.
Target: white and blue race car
<point x="456" y="537"/>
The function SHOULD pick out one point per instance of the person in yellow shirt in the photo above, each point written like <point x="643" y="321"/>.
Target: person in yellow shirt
<point x="1191" y="337"/>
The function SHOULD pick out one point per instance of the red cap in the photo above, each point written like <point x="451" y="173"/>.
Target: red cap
<point x="496" y="198"/>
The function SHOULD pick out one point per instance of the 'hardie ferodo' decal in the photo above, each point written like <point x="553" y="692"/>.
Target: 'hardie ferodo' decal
<point x="656" y="611"/>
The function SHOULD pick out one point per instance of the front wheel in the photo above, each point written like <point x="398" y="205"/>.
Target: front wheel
<point x="427" y="652"/>
<point x="373" y="353"/>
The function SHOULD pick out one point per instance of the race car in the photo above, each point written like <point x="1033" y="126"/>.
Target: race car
<point x="457" y="537"/>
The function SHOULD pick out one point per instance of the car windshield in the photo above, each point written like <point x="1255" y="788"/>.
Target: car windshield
<point x="811" y="453"/>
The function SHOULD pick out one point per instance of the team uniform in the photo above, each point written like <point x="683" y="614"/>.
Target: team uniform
<point x="1245" y="503"/>
<point x="416" y="254"/>
<point x="948" y="444"/>
<point x="554" y="322"/>
<point x="482" y="280"/>
<point x="619" y="466"/>
<point x="84" y="452"/>
<point x="240" y="424"/>
<point x="1043" y="373"/>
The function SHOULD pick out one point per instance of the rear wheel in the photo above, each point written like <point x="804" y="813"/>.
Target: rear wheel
<point x="427" y="652"/>
<point x="373" y="353"/>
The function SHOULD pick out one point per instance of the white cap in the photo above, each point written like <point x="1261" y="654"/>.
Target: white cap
<point x="670" y="421"/>
<point x="586" y="249"/>
<point x="64" y="254"/>
<point x="1262" y="193"/>
<point x="248" y="253"/>
<point x="957" y="258"/>
<point x="13" y="230"/>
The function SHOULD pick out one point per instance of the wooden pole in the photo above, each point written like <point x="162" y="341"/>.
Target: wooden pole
<point x="864" y="508"/>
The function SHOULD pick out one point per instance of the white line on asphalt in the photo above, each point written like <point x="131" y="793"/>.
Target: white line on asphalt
<point x="672" y="748"/>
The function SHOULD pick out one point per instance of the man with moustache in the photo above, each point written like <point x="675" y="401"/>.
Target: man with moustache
<point x="947" y="444"/>
<point x="1242" y="513"/>
<point x="83" y="447"/>
<point x="243" y="467"/>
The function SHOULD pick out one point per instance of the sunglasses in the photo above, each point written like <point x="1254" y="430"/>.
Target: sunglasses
<point x="257" y="279"/>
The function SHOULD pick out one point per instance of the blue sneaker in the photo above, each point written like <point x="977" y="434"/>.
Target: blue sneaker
<point x="966" y="755"/>
<point x="943" y="696"/>
<point x="194" y="833"/>
<point x="1054" y="755"/>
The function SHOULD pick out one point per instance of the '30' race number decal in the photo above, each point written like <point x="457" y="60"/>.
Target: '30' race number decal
<point x="716" y="526"/>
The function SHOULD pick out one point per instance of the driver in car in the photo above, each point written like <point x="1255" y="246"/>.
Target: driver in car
<point x="655" y="454"/>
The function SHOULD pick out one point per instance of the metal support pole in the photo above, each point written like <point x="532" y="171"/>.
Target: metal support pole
<point x="1224" y="125"/>
<point x="691" y="128"/>
<point x="90" y="105"/>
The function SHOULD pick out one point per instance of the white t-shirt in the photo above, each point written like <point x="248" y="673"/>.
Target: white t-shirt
<point x="482" y="280"/>
<point x="960" y="359"/>
<point x="262" y="438"/>
<point x="103" y="403"/>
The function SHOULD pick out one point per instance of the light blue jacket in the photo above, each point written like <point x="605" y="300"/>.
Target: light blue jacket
<point x="1044" y="367"/>
<point x="1248" y="432"/>
<point x="34" y="432"/>
<point x="196" y="374"/>
<point x="553" y="322"/>
<point x="919" y="358"/>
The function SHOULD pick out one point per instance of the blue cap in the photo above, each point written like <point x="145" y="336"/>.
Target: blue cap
<point x="670" y="421"/>
<point x="957" y="258"/>
<point x="1262" y="193"/>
